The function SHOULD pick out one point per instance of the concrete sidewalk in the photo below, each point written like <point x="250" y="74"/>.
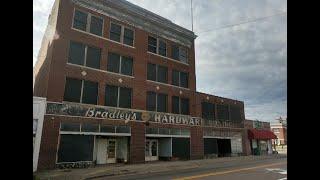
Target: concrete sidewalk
<point x="148" y="167"/>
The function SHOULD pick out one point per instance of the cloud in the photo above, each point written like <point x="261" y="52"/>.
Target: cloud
<point x="247" y="62"/>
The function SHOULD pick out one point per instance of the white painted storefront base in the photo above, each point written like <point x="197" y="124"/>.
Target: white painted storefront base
<point x="39" y="107"/>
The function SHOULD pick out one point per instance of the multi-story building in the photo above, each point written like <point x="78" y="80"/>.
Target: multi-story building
<point x="120" y="85"/>
<point x="280" y="130"/>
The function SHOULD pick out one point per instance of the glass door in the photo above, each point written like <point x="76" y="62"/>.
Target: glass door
<point x="151" y="150"/>
<point x="111" y="151"/>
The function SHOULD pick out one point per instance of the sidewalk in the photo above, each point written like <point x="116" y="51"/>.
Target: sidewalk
<point x="149" y="167"/>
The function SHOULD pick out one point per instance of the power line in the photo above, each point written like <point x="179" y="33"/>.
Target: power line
<point x="245" y="22"/>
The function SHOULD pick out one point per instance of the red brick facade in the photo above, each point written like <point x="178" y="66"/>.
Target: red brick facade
<point x="52" y="69"/>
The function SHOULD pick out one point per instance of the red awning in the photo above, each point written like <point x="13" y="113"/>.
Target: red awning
<point x="261" y="134"/>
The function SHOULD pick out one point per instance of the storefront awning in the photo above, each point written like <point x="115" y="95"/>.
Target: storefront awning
<point x="261" y="134"/>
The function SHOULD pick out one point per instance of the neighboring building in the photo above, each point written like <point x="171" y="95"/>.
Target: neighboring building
<point x="120" y="85"/>
<point x="260" y="137"/>
<point x="39" y="107"/>
<point x="280" y="130"/>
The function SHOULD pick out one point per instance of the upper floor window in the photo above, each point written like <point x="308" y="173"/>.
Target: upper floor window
<point x="223" y="112"/>
<point x="180" y="79"/>
<point x="180" y="105"/>
<point x="121" y="34"/>
<point x="179" y="53"/>
<point x="81" y="91"/>
<point x="84" y="55"/>
<point x="118" y="96"/>
<point x="87" y="22"/>
<point x="120" y="64"/>
<point x="208" y="111"/>
<point x="157" y="46"/>
<point x="235" y="113"/>
<point x="157" y="73"/>
<point x="276" y="130"/>
<point x="156" y="102"/>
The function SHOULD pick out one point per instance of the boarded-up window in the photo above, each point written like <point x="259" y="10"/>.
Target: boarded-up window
<point x="74" y="148"/>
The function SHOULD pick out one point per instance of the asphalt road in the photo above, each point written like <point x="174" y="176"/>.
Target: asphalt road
<point x="269" y="169"/>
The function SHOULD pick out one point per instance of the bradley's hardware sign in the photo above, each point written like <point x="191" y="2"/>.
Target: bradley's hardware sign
<point x="119" y="114"/>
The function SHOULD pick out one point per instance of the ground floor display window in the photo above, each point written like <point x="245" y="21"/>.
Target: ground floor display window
<point x="75" y="148"/>
<point x="181" y="148"/>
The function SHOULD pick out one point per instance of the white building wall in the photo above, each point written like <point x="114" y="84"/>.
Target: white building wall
<point x="39" y="108"/>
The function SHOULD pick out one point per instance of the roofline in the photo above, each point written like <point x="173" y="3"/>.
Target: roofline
<point x="218" y="96"/>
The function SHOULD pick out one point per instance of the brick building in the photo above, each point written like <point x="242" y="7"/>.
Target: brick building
<point x="260" y="137"/>
<point x="120" y="86"/>
<point x="280" y="130"/>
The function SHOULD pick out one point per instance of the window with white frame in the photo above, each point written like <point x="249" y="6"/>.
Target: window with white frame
<point x="157" y="101"/>
<point x="87" y="22"/>
<point x="179" y="53"/>
<point x="81" y="91"/>
<point x="84" y="55"/>
<point x="121" y="34"/>
<point x="157" y="46"/>
<point x="118" y="96"/>
<point x="120" y="64"/>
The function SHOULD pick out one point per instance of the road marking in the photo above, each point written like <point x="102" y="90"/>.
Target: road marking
<point x="283" y="178"/>
<point x="277" y="170"/>
<point x="226" y="172"/>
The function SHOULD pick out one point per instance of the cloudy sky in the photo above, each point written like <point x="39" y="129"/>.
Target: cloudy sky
<point x="247" y="62"/>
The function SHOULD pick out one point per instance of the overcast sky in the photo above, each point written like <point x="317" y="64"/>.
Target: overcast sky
<point x="246" y="62"/>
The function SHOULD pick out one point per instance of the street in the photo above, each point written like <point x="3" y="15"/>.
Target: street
<point x="271" y="169"/>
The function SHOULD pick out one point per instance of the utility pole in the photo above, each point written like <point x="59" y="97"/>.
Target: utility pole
<point x="191" y="16"/>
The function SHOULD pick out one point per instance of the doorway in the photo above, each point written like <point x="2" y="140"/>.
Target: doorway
<point x="224" y="147"/>
<point x="151" y="150"/>
<point x="111" y="150"/>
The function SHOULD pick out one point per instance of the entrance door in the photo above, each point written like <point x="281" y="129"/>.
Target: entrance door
<point x="111" y="151"/>
<point x="151" y="150"/>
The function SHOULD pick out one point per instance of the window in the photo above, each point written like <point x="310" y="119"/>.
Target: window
<point x="93" y="57"/>
<point x="208" y="111"/>
<point x="96" y="24"/>
<point x="223" y="112"/>
<point x="107" y="129"/>
<point x="119" y="64"/>
<point x="175" y="105"/>
<point x="183" y="55"/>
<point x="184" y="106"/>
<point x="175" y="52"/>
<point x="115" y="32"/>
<point x="179" y="53"/>
<point x="72" y="91"/>
<point x="151" y="101"/>
<point x="118" y="96"/>
<point x="235" y="113"/>
<point x="88" y="127"/>
<point x="164" y="131"/>
<point x="152" y="72"/>
<point x="157" y="73"/>
<point x="180" y="105"/>
<point x="70" y="126"/>
<point x="88" y="22"/>
<point x="152" y="44"/>
<point x="81" y="91"/>
<point x="175" y="77"/>
<point x="80" y="20"/>
<point x="152" y="130"/>
<point x="128" y="37"/>
<point x="162" y="48"/>
<point x="90" y="92"/>
<point x="276" y="130"/>
<point x="180" y="78"/>
<point x="84" y="55"/>
<point x="121" y="34"/>
<point x="122" y="129"/>
<point x="157" y="46"/>
<point x="156" y="102"/>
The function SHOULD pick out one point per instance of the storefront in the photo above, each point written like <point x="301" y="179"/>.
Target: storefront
<point x="222" y="143"/>
<point x="261" y="141"/>
<point x="39" y="106"/>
